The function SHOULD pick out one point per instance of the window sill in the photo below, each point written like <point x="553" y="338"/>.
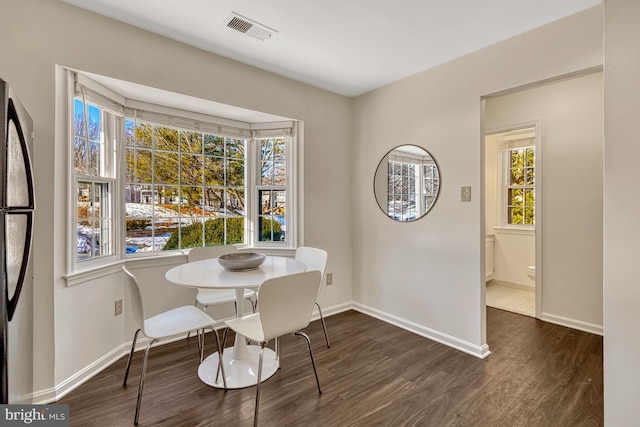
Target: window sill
<point x="515" y="230"/>
<point x="149" y="261"/>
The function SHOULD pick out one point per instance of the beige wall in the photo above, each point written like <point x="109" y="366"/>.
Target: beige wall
<point x="37" y="35"/>
<point x="569" y="184"/>
<point x="621" y="207"/>
<point x="428" y="275"/>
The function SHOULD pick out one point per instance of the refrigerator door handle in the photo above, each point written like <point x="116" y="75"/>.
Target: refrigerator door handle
<point x="12" y="301"/>
<point x="13" y="116"/>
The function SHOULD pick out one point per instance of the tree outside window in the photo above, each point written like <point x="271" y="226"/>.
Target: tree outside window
<point x="520" y="189"/>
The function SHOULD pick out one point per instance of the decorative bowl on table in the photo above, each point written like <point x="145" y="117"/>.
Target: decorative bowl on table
<point x="241" y="261"/>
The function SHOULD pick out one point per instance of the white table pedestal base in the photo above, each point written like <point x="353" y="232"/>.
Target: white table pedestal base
<point x="240" y="373"/>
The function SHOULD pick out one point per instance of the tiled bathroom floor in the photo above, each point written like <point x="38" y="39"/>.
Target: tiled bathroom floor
<point x="515" y="300"/>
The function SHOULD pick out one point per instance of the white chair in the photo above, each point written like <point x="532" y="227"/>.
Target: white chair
<point x="286" y="305"/>
<point x="169" y="323"/>
<point x="315" y="259"/>
<point x="207" y="297"/>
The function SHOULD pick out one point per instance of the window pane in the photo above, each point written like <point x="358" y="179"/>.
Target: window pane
<point x="517" y="176"/>
<point x="213" y="171"/>
<point x="516" y="197"/>
<point x="272" y="217"/>
<point x="235" y="149"/>
<point x="165" y="167"/>
<point x="529" y="216"/>
<point x="97" y="199"/>
<point x="168" y="196"/>
<point x="191" y="235"/>
<point x="84" y="244"/>
<point x="144" y="135"/>
<point x="213" y="145"/>
<point x="529" y="199"/>
<point x="163" y="230"/>
<point x="234" y="201"/>
<point x="191" y="142"/>
<point x="84" y="200"/>
<point x="95" y="123"/>
<point x="279" y="147"/>
<point x="80" y="156"/>
<point x="129" y="132"/>
<point x="94" y="158"/>
<point x="191" y="168"/>
<point x="79" y="127"/>
<point x="190" y="199"/>
<point x="530" y="177"/>
<point x="234" y="228"/>
<point x="531" y="158"/>
<point x="235" y="173"/>
<point x="213" y="199"/>
<point x="165" y="138"/>
<point x="267" y="173"/>
<point x="94" y="225"/>
<point x="516" y="215"/>
<point x="517" y="158"/>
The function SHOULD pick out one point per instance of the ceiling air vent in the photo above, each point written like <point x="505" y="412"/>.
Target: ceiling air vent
<point x="249" y="27"/>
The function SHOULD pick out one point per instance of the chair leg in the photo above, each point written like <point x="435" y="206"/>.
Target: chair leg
<point x="302" y="334"/>
<point x="141" y="385"/>
<point x="324" y="327"/>
<point x="133" y="346"/>
<point x="220" y="367"/>
<point x="220" y="359"/>
<point x="255" y="416"/>
<point x="201" y="343"/>
<point x="195" y="304"/>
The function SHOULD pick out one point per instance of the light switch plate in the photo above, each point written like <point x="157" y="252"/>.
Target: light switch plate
<point x="465" y="193"/>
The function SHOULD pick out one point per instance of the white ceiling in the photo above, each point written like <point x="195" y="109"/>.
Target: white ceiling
<point x="345" y="46"/>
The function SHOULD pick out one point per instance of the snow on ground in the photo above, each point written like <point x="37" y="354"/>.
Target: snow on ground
<point x="145" y="243"/>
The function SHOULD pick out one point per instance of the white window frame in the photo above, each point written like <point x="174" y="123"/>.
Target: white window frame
<point x="517" y="139"/>
<point x="78" y="272"/>
<point x="110" y="121"/>
<point x="291" y="171"/>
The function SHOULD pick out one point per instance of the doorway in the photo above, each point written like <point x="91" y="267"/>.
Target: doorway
<point x="510" y="218"/>
<point x="567" y="115"/>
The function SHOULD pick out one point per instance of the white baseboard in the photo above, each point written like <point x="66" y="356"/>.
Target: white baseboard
<point x="330" y="311"/>
<point x="464" y="346"/>
<point x="71" y="383"/>
<point x="512" y="285"/>
<point x="572" y="323"/>
<point x="56" y="393"/>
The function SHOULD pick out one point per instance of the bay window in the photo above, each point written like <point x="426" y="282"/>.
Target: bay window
<point x="150" y="179"/>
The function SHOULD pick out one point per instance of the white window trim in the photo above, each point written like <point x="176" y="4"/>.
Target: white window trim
<point x="80" y="272"/>
<point x="521" y="133"/>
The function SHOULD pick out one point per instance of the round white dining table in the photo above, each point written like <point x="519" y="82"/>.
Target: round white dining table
<point x="241" y="363"/>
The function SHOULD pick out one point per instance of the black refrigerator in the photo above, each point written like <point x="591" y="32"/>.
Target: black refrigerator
<point x="17" y="205"/>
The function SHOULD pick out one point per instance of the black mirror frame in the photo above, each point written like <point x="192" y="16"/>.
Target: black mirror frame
<point x="377" y="177"/>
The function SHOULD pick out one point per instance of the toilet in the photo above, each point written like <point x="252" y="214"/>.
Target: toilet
<point x="531" y="272"/>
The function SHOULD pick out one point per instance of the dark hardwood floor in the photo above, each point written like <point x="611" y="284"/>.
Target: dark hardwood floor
<point x="374" y="374"/>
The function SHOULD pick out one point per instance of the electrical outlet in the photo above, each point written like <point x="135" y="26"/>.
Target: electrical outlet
<point x="329" y="279"/>
<point x="118" y="307"/>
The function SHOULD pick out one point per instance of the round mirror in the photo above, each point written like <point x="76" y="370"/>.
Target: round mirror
<point x="407" y="183"/>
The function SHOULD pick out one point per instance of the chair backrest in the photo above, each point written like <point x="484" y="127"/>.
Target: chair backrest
<point x="206" y="252"/>
<point x="134" y="295"/>
<point x="287" y="302"/>
<point x="313" y="258"/>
